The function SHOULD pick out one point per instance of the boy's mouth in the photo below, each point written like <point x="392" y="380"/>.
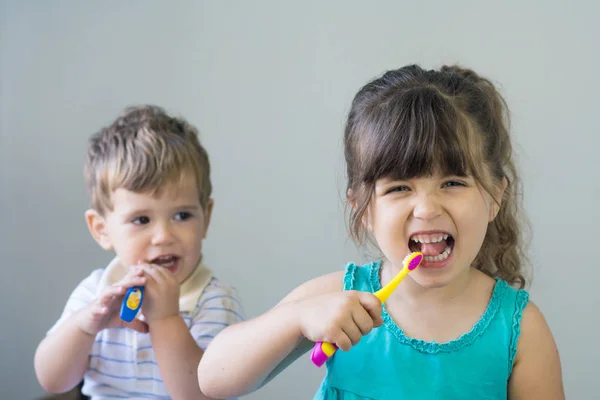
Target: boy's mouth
<point x="436" y="247"/>
<point x="170" y="262"/>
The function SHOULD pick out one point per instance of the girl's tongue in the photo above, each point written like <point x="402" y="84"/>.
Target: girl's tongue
<point x="432" y="244"/>
<point x="433" y="249"/>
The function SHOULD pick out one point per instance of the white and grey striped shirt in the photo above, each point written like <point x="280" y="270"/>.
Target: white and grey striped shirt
<point x="122" y="361"/>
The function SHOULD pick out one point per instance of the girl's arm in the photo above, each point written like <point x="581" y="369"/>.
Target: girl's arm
<point x="537" y="371"/>
<point x="245" y="356"/>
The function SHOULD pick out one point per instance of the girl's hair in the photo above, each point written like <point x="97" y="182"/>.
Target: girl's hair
<point x="411" y="123"/>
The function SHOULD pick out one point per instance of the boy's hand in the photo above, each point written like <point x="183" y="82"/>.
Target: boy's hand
<point x="342" y="318"/>
<point x="103" y="312"/>
<point x="161" y="296"/>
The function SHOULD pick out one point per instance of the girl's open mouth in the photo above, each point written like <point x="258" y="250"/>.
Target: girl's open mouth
<point x="436" y="247"/>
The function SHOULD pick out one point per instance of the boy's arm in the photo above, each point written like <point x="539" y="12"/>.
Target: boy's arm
<point x="537" y="372"/>
<point x="176" y="346"/>
<point x="177" y="355"/>
<point x="244" y="356"/>
<point x="62" y="357"/>
<point x="218" y="307"/>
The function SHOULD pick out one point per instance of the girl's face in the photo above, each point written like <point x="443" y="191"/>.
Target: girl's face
<point x="444" y="217"/>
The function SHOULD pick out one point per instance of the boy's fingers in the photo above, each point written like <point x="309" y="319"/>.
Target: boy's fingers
<point x="109" y="294"/>
<point x="162" y="272"/>
<point x="113" y="291"/>
<point x="130" y="281"/>
<point x="137" y="325"/>
<point x="99" y="310"/>
<point x="153" y="272"/>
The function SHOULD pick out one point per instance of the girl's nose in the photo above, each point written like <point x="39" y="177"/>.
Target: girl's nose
<point x="427" y="208"/>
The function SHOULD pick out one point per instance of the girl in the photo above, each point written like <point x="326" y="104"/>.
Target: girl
<point x="429" y="169"/>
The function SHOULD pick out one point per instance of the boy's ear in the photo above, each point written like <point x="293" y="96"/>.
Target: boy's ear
<point x="207" y="216"/>
<point x="97" y="225"/>
<point x="497" y="200"/>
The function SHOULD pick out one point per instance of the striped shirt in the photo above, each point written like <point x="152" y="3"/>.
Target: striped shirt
<point x="122" y="361"/>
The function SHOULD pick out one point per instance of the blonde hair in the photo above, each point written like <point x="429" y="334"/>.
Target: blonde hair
<point x="410" y="123"/>
<point x="141" y="151"/>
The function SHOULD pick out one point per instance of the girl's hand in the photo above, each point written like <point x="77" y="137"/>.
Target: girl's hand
<point x="342" y="318"/>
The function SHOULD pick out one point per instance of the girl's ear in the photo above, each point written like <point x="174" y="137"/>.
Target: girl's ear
<point x="497" y="200"/>
<point x="350" y="198"/>
<point x="366" y="218"/>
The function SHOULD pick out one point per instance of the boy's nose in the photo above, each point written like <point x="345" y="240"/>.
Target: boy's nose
<point x="427" y="208"/>
<point x="162" y="235"/>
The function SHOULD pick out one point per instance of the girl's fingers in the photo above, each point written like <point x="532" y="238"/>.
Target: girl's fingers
<point x="343" y="342"/>
<point x="352" y="331"/>
<point x="363" y="321"/>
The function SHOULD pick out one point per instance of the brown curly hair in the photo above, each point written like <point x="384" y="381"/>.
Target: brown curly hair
<point x="410" y="123"/>
<point x="141" y="151"/>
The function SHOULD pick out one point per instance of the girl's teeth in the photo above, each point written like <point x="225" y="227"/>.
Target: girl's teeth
<point x="439" y="257"/>
<point x="428" y="239"/>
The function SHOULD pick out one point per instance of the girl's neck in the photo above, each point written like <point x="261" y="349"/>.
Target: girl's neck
<point x="413" y="293"/>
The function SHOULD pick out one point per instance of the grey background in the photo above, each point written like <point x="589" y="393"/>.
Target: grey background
<point x="268" y="84"/>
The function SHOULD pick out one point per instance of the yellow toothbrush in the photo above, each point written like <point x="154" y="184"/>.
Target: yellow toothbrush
<point x="322" y="351"/>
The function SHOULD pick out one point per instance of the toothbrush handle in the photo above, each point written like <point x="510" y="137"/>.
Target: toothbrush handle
<point x="127" y="314"/>
<point x="322" y="351"/>
<point x="385" y="292"/>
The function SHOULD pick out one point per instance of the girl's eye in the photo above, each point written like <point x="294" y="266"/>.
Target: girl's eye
<point x="143" y="220"/>
<point x="453" y="184"/>
<point x="397" y="189"/>
<point x="182" y="216"/>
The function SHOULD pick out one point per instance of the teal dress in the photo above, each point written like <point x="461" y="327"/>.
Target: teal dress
<point x="386" y="364"/>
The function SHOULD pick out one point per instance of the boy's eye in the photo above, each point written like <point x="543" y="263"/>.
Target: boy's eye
<point x="453" y="184"/>
<point x="397" y="189"/>
<point x="143" y="220"/>
<point x="182" y="216"/>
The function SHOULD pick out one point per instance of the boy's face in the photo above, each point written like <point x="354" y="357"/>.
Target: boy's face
<point x="166" y="229"/>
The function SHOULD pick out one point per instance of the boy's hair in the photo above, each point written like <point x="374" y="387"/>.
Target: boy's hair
<point x="411" y="123"/>
<point x="141" y="151"/>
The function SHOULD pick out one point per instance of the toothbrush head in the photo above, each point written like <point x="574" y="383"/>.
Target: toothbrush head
<point x="413" y="260"/>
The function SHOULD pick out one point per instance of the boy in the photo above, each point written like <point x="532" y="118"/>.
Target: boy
<point x="148" y="179"/>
